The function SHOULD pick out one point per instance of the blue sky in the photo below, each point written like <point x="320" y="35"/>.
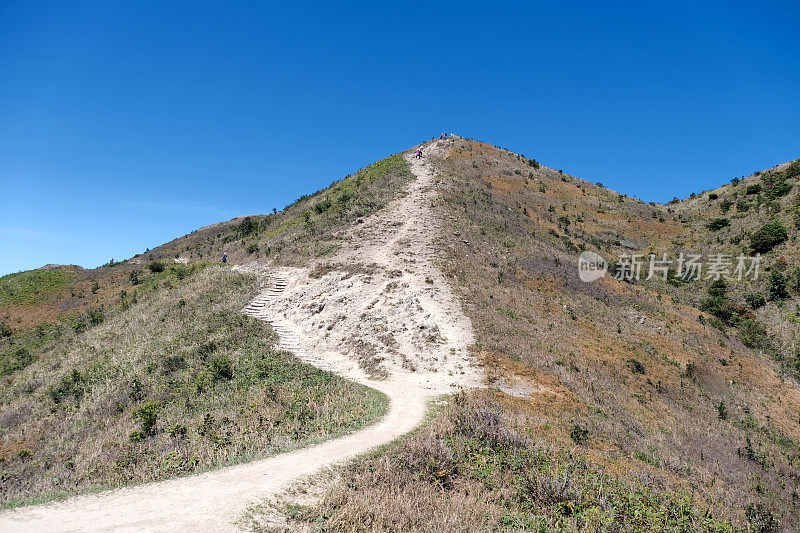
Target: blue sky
<point x="126" y="124"/>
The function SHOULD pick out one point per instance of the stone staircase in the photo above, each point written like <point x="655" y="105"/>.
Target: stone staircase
<point x="259" y="308"/>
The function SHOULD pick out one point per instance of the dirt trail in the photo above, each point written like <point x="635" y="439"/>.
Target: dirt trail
<point x="397" y="318"/>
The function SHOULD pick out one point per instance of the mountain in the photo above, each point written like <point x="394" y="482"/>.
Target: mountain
<point x="629" y="404"/>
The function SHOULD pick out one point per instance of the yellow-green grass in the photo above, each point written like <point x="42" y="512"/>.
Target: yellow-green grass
<point x="178" y="382"/>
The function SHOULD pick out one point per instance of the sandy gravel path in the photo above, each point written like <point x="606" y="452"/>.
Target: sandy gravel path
<point x="213" y="501"/>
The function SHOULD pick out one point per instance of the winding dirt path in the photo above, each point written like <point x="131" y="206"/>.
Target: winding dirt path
<point x="212" y="501"/>
<point x="399" y="237"/>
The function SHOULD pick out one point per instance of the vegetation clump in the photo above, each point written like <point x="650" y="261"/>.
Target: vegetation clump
<point x="768" y="237"/>
<point x="717" y="224"/>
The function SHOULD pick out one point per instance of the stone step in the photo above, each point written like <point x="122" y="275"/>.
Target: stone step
<point x="289" y="340"/>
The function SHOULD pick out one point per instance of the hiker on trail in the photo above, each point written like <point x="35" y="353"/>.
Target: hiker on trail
<point x="441" y="135"/>
<point x="224" y="258"/>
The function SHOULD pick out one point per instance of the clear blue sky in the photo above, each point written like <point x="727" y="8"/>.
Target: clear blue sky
<point x="125" y="124"/>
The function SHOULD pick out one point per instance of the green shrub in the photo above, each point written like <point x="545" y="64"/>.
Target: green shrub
<point x="794" y="170"/>
<point x="247" y="226"/>
<point x="646" y="458"/>
<point x="95" y="316"/>
<point x="172" y="363"/>
<point x="323" y="205"/>
<point x="780" y="188"/>
<point x="753" y="334"/>
<point x="768" y="237"/>
<point x="753" y="189"/>
<point x="579" y="434"/>
<point x="717" y="303"/>
<point x="725" y="205"/>
<point x="778" y="185"/>
<point x="637" y="366"/>
<point x="180" y="271"/>
<point x="717" y="224"/>
<point x="177" y="430"/>
<point x="252" y="248"/>
<point x="713" y="196"/>
<point x="221" y="367"/>
<point x="148" y="416"/>
<point x="761" y="519"/>
<point x="72" y="385"/>
<point x="755" y="300"/>
<point x="5" y="331"/>
<point x="777" y="286"/>
<point x="156" y="266"/>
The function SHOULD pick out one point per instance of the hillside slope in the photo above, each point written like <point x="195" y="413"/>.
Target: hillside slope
<point x="404" y="335"/>
<point x="664" y="394"/>
<point x="636" y="408"/>
<point x="145" y="369"/>
<point x="667" y="403"/>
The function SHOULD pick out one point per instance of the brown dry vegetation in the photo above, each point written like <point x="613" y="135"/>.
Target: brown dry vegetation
<point x="631" y="378"/>
<point x="650" y="392"/>
<point x="482" y="465"/>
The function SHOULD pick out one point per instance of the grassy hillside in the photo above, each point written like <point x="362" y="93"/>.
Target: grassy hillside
<point x="760" y="214"/>
<point x="665" y="404"/>
<point x="306" y="229"/>
<point x="611" y="401"/>
<point x="144" y="368"/>
<point x="34" y="286"/>
<point x="177" y="382"/>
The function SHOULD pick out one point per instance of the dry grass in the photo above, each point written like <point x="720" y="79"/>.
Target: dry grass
<point x="515" y="260"/>
<point x="476" y="468"/>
